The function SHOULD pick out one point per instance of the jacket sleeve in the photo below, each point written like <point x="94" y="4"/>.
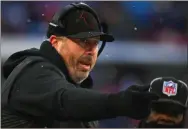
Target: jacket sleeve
<point x="42" y="93"/>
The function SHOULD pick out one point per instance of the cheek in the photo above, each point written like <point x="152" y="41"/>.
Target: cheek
<point x="75" y="53"/>
<point x="71" y="55"/>
<point x="73" y="59"/>
<point x="65" y="53"/>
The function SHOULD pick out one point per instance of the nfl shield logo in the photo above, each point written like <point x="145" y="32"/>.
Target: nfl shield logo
<point x="170" y="88"/>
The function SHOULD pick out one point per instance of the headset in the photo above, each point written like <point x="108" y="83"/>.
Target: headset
<point x="57" y="26"/>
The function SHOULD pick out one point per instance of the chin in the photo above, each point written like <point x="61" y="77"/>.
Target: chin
<point x="81" y="76"/>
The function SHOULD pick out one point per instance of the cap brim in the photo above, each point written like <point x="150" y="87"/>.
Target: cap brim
<point x="103" y="36"/>
<point x="170" y="101"/>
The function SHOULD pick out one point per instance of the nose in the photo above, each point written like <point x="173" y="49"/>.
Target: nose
<point x="91" y="48"/>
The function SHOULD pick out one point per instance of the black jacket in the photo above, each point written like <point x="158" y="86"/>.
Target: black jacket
<point x="43" y="95"/>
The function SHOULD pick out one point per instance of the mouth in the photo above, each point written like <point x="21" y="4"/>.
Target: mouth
<point x="84" y="66"/>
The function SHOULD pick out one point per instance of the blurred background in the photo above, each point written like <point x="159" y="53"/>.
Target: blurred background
<point x="151" y="41"/>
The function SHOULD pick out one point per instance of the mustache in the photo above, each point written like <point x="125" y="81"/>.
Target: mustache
<point x="87" y="59"/>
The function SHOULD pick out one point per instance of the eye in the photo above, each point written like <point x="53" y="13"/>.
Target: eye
<point x="84" y="41"/>
<point x="89" y="41"/>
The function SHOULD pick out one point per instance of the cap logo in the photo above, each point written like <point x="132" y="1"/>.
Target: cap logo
<point x="169" y="88"/>
<point x="84" y="17"/>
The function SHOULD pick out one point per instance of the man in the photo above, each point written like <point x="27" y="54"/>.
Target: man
<point x="49" y="87"/>
<point x="170" y="109"/>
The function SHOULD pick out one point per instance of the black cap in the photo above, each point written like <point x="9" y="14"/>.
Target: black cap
<point x="77" y="22"/>
<point x="170" y="90"/>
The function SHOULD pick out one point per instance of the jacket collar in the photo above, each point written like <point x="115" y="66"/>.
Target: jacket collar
<point x="53" y="56"/>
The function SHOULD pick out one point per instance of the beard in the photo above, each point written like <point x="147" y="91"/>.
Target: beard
<point x="79" y="72"/>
